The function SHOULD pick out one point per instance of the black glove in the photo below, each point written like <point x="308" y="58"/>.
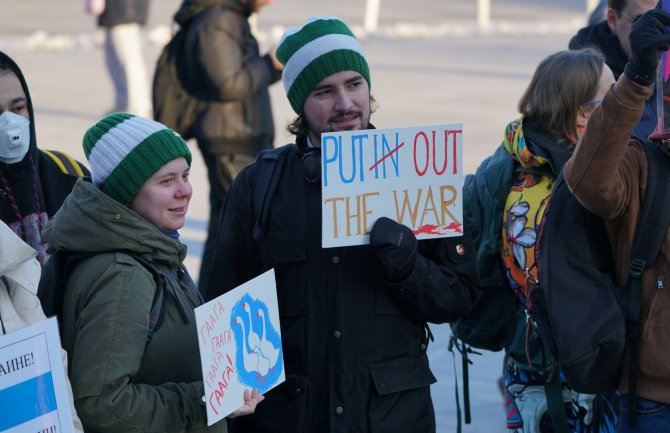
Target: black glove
<point x="395" y="246"/>
<point x="648" y="36"/>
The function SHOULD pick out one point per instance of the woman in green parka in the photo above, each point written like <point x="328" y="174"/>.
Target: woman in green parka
<point x="134" y="204"/>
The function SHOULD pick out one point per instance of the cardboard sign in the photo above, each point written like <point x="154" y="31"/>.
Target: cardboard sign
<point x="411" y="175"/>
<point x="240" y="345"/>
<point x="33" y="387"/>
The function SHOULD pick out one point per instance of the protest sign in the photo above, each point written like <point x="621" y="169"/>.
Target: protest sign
<point x="240" y="345"/>
<point x="33" y="387"/>
<point x="411" y="175"/>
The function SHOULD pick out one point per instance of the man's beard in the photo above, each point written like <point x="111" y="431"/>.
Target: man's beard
<point x="342" y="115"/>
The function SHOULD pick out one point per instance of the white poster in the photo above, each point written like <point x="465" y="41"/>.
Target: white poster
<point x="411" y="175"/>
<point x="33" y="390"/>
<point x="240" y="345"/>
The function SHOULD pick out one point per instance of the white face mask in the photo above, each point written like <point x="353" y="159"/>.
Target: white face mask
<point x="14" y="137"/>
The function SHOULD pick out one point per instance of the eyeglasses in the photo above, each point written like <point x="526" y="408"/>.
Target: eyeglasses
<point x="630" y="19"/>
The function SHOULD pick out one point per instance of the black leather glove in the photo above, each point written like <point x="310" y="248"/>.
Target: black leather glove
<point x="395" y="246"/>
<point x="648" y="36"/>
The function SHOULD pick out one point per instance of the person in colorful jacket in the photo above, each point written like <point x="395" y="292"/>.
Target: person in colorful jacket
<point x="136" y="201"/>
<point x="608" y="175"/>
<point x="33" y="182"/>
<point x="503" y="205"/>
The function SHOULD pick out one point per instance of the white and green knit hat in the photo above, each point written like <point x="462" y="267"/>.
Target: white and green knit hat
<point x="124" y="151"/>
<point x="321" y="47"/>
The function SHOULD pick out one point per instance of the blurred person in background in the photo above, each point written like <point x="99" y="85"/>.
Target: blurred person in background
<point x="124" y="57"/>
<point x="226" y="70"/>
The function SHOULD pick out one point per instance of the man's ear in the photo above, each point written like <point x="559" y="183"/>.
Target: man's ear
<point x="612" y="17"/>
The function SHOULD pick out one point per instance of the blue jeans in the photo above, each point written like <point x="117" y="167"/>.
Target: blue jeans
<point x="651" y="417"/>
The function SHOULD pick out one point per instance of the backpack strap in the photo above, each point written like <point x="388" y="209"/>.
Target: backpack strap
<point x="65" y="162"/>
<point x="269" y="167"/>
<point x="162" y="280"/>
<point x="555" y="404"/>
<point x="651" y="232"/>
<point x="185" y="278"/>
<point x="158" y="302"/>
<point x="456" y="344"/>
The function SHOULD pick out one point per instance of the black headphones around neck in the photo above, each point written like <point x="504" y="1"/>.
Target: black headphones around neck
<point x="311" y="164"/>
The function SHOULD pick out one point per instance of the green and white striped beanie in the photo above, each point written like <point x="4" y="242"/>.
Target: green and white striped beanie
<point x="321" y="47"/>
<point x="124" y="151"/>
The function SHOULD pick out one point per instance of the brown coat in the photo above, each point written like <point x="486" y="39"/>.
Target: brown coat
<point x="608" y="175"/>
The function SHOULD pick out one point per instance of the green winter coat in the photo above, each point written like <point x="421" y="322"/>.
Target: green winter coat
<point x="121" y="383"/>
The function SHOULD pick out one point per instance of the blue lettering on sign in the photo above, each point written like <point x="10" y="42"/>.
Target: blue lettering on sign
<point x="348" y="160"/>
<point x="328" y="159"/>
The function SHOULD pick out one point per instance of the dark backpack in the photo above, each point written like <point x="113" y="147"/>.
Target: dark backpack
<point x="492" y="322"/>
<point x="173" y="105"/>
<point x="60" y="265"/>
<point x="583" y="317"/>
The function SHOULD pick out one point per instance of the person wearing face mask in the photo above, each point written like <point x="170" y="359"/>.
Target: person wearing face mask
<point x="503" y="205"/>
<point x="32" y="184"/>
